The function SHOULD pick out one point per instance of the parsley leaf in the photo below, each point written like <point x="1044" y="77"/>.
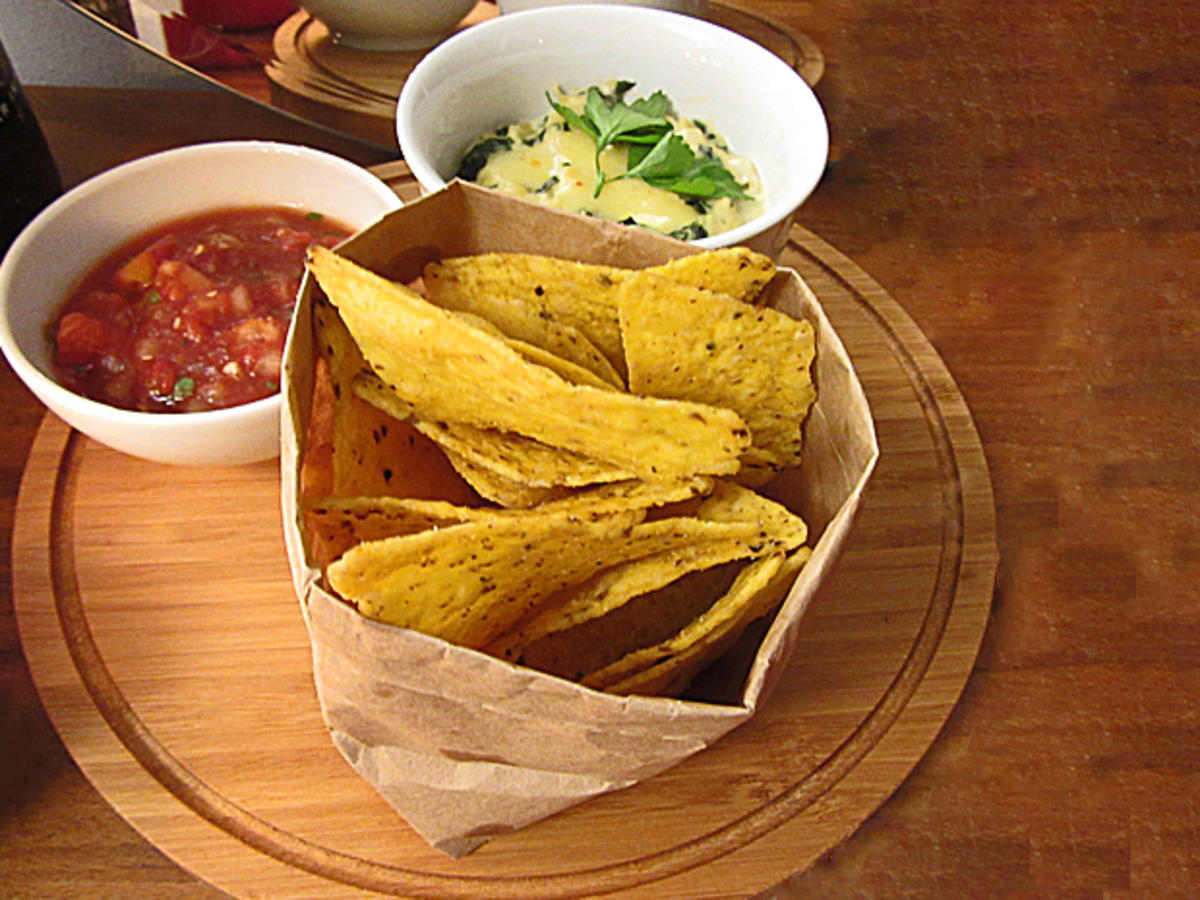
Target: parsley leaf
<point x="608" y="120"/>
<point x="183" y="389"/>
<point x="657" y="155"/>
<point x="672" y="165"/>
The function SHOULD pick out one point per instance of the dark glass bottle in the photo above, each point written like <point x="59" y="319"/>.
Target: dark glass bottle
<point x="28" y="176"/>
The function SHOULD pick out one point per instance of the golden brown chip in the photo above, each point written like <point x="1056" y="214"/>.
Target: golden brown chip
<point x="495" y="488"/>
<point x="572" y="371"/>
<point x="531" y="297"/>
<point x="355" y="468"/>
<point x="735" y="271"/>
<point x="565" y="368"/>
<point x="316" y="463"/>
<point x="686" y="342"/>
<point x="477" y="470"/>
<point x="640" y="622"/>
<point x="372" y="451"/>
<point x="470" y="583"/>
<point x="450" y="371"/>
<point x="623" y="496"/>
<point x="509" y="457"/>
<point x="667" y="666"/>
<point x="610" y="590"/>
<point x="360" y="519"/>
<point x="732" y="502"/>
<point x="521" y="459"/>
<point x="344" y="522"/>
<point x="527" y="295"/>
<point x="615" y="586"/>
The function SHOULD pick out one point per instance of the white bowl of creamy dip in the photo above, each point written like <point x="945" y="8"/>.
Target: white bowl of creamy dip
<point x="506" y="71"/>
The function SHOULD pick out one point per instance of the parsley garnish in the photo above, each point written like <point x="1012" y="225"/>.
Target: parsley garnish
<point x="183" y="389"/>
<point x="657" y="155"/>
<point x="672" y="165"/>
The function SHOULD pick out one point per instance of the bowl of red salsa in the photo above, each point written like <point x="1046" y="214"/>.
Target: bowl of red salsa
<point x="149" y="306"/>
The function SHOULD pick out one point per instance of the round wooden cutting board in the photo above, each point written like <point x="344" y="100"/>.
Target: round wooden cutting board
<point x="355" y="90"/>
<point x="159" y="621"/>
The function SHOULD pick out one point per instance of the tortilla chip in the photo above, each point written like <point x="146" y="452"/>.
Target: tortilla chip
<point x="737" y="272"/>
<point x="361" y="519"/>
<point x="641" y="621"/>
<point x="450" y="371"/>
<point x="519" y="458"/>
<point x="375" y="518"/>
<point x="521" y="293"/>
<point x="732" y="502"/>
<point x="470" y="583"/>
<point x="668" y="666"/>
<point x="628" y="495"/>
<point x="599" y="534"/>
<point x="372" y="451"/>
<point x="565" y="368"/>
<point x="316" y="465"/>
<point x="616" y="586"/>
<point x="510" y="457"/>
<point x="529" y="297"/>
<point x="571" y="371"/>
<point x="681" y="341"/>
<point x="497" y="489"/>
<point x="610" y="590"/>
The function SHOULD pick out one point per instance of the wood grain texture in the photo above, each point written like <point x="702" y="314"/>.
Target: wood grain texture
<point x="157" y="616"/>
<point x="1022" y="178"/>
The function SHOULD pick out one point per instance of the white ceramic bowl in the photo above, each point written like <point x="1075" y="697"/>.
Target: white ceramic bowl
<point x="388" y="24"/>
<point x="497" y="72"/>
<point x="72" y="234"/>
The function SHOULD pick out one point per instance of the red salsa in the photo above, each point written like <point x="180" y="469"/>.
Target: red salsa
<point x="190" y="316"/>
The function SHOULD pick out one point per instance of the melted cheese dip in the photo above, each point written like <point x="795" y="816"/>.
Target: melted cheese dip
<point x="550" y="163"/>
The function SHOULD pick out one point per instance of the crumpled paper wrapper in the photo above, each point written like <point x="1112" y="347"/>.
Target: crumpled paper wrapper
<point x="467" y="747"/>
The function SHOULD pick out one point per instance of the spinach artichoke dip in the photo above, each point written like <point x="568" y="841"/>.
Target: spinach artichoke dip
<point x="637" y="162"/>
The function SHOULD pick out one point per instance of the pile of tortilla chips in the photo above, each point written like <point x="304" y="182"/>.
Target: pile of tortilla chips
<point x="556" y="463"/>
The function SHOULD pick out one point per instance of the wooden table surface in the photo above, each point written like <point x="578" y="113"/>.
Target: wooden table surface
<point x="1024" y="179"/>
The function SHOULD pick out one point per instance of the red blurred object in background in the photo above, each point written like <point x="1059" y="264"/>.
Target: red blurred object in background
<point x="202" y="47"/>
<point x="218" y="34"/>
<point x="238" y="14"/>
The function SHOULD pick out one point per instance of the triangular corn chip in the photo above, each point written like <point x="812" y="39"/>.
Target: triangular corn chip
<point x="448" y="370"/>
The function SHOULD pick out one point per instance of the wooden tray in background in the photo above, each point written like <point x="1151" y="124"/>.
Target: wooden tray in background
<point x="158" y="618"/>
<point x="355" y="91"/>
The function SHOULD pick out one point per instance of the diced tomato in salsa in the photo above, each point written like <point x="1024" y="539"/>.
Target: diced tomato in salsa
<point x="191" y="316"/>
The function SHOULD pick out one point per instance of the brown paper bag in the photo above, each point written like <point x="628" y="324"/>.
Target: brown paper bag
<point x="467" y="747"/>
